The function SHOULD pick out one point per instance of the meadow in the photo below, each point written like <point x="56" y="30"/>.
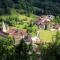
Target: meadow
<point x="47" y="35"/>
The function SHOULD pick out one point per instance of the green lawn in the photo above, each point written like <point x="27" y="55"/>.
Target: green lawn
<point x="46" y="35"/>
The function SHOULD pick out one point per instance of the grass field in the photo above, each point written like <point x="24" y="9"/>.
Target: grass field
<point x="46" y="35"/>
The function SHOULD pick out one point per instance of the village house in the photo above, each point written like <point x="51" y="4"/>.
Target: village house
<point x="44" y="21"/>
<point x="18" y="34"/>
<point x="57" y="27"/>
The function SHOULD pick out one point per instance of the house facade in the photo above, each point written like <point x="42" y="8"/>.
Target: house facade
<point x="43" y="22"/>
<point x="17" y="34"/>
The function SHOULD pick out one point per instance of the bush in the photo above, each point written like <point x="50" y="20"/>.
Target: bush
<point x="6" y="47"/>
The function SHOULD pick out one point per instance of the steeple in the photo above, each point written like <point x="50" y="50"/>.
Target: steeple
<point x="36" y="39"/>
<point x="3" y="27"/>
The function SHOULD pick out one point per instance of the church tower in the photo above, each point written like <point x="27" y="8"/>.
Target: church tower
<point x="5" y="27"/>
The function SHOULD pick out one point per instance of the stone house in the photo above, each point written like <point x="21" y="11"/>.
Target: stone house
<point x="43" y="22"/>
<point x="17" y="34"/>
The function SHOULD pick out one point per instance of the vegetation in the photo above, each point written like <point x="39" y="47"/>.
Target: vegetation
<point x="21" y="22"/>
<point x="51" y="51"/>
<point x="8" y="51"/>
<point x="57" y="20"/>
<point x="26" y="7"/>
<point x="47" y="36"/>
<point x="21" y="14"/>
<point x="6" y="48"/>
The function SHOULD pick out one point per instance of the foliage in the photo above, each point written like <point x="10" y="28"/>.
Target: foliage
<point x="57" y="20"/>
<point x="58" y="37"/>
<point x="22" y="50"/>
<point x="10" y="52"/>
<point x="32" y="6"/>
<point x="52" y="50"/>
<point x="31" y="28"/>
<point x="10" y="20"/>
<point x="6" y="47"/>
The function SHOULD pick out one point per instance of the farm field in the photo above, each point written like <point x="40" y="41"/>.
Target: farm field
<point x="46" y="35"/>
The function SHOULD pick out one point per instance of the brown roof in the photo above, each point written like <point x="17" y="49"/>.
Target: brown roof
<point x="57" y="26"/>
<point x="17" y="32"/>
<point x="42" y="20"/>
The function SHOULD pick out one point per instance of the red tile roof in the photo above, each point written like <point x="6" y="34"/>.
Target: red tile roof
<point x="17" y="32"/>
<point x="57" y="26"/>
<point x="42" y="20"/>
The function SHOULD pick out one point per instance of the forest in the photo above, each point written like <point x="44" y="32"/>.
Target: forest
<point x="38" y="7"/>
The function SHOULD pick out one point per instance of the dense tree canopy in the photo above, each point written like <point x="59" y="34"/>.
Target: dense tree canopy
<point x="35" y="6"/>
<point x="6" y="48"/>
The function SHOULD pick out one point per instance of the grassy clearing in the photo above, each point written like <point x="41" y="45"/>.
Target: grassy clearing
<point x="46" y="35"/>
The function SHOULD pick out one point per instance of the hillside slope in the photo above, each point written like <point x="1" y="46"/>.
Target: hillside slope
<point x="30" y="6"/>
